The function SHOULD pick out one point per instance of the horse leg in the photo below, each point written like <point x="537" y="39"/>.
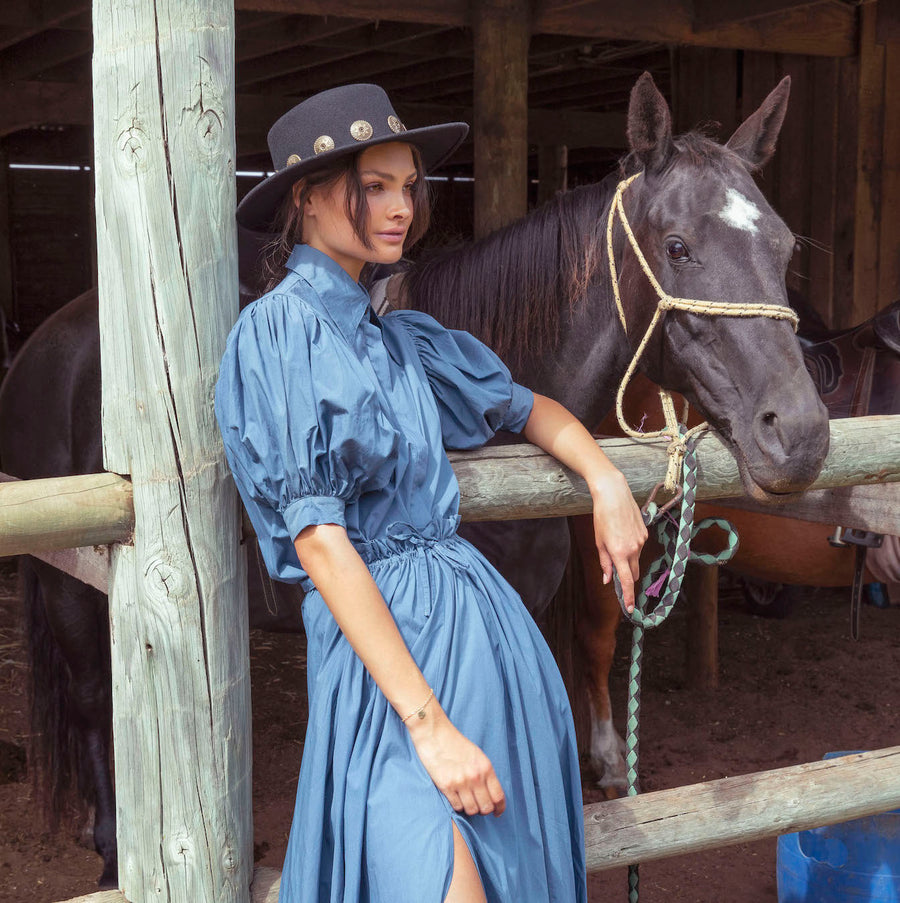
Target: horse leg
<point x="598" y="619"/>
<point x="78" y="620"/>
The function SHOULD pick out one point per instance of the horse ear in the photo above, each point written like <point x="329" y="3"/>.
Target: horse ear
<point x="649" y="124"/>
<point x="754" y="140"/>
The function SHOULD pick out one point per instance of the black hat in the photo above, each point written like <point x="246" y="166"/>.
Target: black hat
<point x="329" y="125"/>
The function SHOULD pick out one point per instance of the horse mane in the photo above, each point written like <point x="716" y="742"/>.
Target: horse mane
<point x="511" y="288"/>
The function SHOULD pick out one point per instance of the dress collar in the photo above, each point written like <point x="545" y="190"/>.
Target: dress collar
<point x="344" y="301"/>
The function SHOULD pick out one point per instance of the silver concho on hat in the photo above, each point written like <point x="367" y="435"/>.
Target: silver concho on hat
<point x="396" y="125"/>
<point x="323" y="143"/>
<point x="294" y="158"/>
<point x="361" y="130"/>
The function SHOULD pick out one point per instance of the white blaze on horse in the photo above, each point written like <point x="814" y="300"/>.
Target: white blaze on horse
<point x="540" y="292"/>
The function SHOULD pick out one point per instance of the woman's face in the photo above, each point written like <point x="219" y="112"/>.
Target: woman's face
<point x="387" y="173"/>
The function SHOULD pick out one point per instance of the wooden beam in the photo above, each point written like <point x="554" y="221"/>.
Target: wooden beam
<point x="290" y="31"/>
<point x="386" y="38"/>
<point x="502" y="482"/>
<point x="264" y="889"/>
<point x="502" y="31"/>
<point x="572" y="128"/>
<point x="716" y="13"/>
<point x="89" y="564"/>
<point x="706" y="816"/>
<point x="741" y="809"/>
<point x="164" y="117"/>
<point x="20" y="21"/>
<point x="65" y="512"/>
<point x="507" y="482"/>
<point x="874" y="508"/>
<point x="43" y="51"/>
<point x="828" y="29"/>
<point x="31" y="104"/>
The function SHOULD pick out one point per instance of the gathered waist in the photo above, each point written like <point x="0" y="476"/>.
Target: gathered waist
<point x="401" y="539"/>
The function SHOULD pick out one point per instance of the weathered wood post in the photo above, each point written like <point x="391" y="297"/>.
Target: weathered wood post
<point x="165" y="151"/>
<point x="502" y="31"/>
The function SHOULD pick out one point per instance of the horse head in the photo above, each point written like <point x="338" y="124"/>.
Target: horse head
<point x="707" y="234"/>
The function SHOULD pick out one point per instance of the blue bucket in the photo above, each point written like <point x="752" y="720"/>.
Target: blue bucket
<point x="854" y="862"/>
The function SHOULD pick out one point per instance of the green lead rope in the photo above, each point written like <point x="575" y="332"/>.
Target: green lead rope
<point x="675" y="538"/>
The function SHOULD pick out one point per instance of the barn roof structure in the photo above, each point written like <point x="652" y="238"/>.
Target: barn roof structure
<point x="584" y="56"/>
<point x="714" y="59"/>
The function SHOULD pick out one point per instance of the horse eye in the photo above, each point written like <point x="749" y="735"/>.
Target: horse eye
<point x="677" y="250"/>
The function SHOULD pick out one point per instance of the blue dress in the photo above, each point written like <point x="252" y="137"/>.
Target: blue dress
<point x="332" y="415"/>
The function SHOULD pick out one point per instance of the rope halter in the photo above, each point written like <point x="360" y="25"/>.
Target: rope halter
<point x="677" y="438"/>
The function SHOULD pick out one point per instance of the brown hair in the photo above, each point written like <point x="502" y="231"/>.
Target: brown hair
<point x="288" y="223"/>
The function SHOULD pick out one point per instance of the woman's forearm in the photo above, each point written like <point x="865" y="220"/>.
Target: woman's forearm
<point x="619" y="530"/>
<point x="341" y="576"/>
<point x="459" y="768"/>
<point x="552" y="428"/>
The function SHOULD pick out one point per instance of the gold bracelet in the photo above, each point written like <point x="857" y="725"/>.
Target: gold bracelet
<point x="420" y="711"/>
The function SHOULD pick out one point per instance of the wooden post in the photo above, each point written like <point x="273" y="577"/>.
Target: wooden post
<point x="553" y="171"/>
<point x="502" y="30"/>
<point x="870" y="112"/>
<point x="822" y="183"/>
<point x="844" y="192"/>
<point x="701" y="589"/>
<point x="164" y="157"/>
<point x="889" y="251"/>
<point x="6" y="274"/>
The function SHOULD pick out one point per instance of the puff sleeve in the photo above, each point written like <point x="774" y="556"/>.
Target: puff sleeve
<point x="300" y="434"/>
<point x="475" y="394"/>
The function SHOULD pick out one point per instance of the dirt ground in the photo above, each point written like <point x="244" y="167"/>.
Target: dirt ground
<point x="790" y="691"/>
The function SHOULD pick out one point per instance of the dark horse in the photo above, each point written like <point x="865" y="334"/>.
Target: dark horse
<point x="540" y="292"/>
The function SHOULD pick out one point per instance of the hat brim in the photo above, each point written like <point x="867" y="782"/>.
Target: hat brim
<point x="257" y="209"/>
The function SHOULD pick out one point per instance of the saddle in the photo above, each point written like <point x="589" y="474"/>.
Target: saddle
<point x="857" y="372"/>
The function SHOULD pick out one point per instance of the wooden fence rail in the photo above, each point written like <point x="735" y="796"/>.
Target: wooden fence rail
<point x="741" y="809"/>
<point x="706" y="816"/>
<point x="499" y="483"/>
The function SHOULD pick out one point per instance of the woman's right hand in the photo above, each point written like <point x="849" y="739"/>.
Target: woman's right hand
<point x="459" y="768"/>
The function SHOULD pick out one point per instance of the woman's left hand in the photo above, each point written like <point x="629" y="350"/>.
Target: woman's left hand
<point x="619" y="531"/>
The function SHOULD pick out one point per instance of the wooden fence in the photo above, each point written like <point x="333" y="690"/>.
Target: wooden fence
<point x="508" y="482"/>
<point x="516" y="481"/>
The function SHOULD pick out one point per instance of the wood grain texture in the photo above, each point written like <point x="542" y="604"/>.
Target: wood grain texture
<point x="264" y="889"/>
<point x="740" y="809"/>
<point x="823" y="28"/>
<point x="889" y="252"/>
<point x="164" y="143"/>
<point x="64" y="512"/>
<point x="520" y="481"/>
<point x="869" y="160"/>
<point x="501" y="31"/>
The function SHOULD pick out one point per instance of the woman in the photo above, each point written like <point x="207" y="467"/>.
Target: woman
<point x="440" y="759"/>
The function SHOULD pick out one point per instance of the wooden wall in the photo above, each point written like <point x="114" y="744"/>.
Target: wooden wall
<point x="49" y="256"/>
<point x="835" y="178"/>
